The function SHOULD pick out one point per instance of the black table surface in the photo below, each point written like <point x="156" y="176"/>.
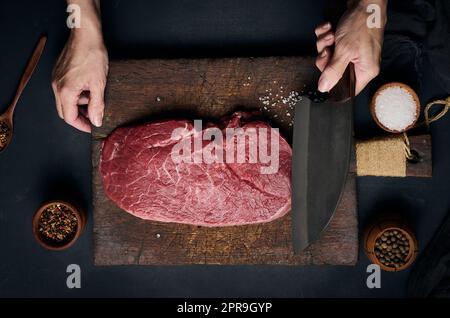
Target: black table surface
<point x="48" y="159"/>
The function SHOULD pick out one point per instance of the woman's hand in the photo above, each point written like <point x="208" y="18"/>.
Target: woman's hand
<point x="354" y="42"/>
<point x="79" y="76"/>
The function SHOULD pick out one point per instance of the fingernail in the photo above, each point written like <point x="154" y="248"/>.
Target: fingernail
<point x="326" y="26"/>
<point x="324" y="53"/>
<point x="97" y="121"/>
<point x="324" y="85"/>
<point x="329" y="37"/>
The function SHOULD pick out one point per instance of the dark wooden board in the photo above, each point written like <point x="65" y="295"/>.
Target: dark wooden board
<point x="424" y="168"/>
<point x="140" y="90"/>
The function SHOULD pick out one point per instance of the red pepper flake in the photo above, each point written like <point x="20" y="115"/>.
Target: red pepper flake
<point x="58" y="223"/>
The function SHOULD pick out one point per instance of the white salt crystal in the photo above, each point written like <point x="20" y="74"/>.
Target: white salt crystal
<point x="395" y="108"/>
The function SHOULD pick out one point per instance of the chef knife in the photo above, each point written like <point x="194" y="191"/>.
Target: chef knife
<point x="322" y="141"/>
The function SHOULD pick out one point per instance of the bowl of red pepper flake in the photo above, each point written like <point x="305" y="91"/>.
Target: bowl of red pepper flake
<point x="57" y="225"/>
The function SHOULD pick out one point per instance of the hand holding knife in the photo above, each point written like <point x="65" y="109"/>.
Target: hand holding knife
<point x="322" y="141"/>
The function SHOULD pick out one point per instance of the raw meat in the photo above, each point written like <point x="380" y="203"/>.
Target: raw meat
<point x="140" y="175"/>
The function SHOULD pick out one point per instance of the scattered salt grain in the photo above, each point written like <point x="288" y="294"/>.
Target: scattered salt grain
<point x="247" y="83"/>
<point x="158" y="235"/>
<point x="158" y="99"/>
<point x="395" y="108"/>
<point x="280" y="104"/>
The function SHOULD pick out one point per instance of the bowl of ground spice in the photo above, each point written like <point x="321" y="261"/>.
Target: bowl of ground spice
<point x="58" y="224"/>
<point x="395" y="107"/>
<point x="391" y="244"/>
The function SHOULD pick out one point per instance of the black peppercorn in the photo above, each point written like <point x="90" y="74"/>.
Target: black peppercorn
<point x="392" y="248"/>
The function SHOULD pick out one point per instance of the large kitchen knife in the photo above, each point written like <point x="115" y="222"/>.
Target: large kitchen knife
<point x="322" y="141"/>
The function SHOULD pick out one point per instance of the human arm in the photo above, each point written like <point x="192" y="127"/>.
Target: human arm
<point x="79" y="76"/>
<point x="354" y="41"/>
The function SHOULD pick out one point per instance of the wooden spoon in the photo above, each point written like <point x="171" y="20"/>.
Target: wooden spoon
<point x="6" y="119"/>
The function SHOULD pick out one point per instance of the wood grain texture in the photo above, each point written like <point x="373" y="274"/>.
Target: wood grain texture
<point x="424" y="168"/>
<point x="140" y="90"/>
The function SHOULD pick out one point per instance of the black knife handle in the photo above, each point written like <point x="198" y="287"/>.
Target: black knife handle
<point x="345" y="88"/>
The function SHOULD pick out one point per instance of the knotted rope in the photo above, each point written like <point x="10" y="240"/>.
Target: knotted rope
<point x="428" y="120"/>
<point x="445" y="103"/>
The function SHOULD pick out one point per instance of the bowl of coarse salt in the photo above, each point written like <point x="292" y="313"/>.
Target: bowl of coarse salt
<point x="395" y="107"/>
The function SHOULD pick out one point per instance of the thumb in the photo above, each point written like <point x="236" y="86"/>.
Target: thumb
<point x="96" y="106"/>
<point x="333" y="71"/>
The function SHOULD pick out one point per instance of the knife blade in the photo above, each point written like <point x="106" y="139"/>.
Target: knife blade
<point x="322" y="141"/>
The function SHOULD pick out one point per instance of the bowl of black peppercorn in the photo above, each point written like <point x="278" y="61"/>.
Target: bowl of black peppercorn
<point x="391" y="244"/>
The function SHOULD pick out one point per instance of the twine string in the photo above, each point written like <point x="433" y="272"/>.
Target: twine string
<point x="446" y="106"/>
<point x="428" y="120"/>
<point x="407" y="146"/>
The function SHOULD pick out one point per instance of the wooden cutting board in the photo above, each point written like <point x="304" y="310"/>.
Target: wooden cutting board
<point x="142" y="90"/>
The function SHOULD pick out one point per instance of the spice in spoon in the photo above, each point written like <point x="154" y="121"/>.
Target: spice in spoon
<point x="4" y="134"/>
<point x="392" y="248"/>
<point x="57" y="223"/>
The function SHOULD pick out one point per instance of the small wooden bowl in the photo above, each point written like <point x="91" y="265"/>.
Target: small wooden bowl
<point x="81" y="221"/>
<point x="376" y="230"/>
<point x="405" y="87"/>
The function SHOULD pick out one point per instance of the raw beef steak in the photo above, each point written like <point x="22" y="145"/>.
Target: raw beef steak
<point x="140" y="175"/>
